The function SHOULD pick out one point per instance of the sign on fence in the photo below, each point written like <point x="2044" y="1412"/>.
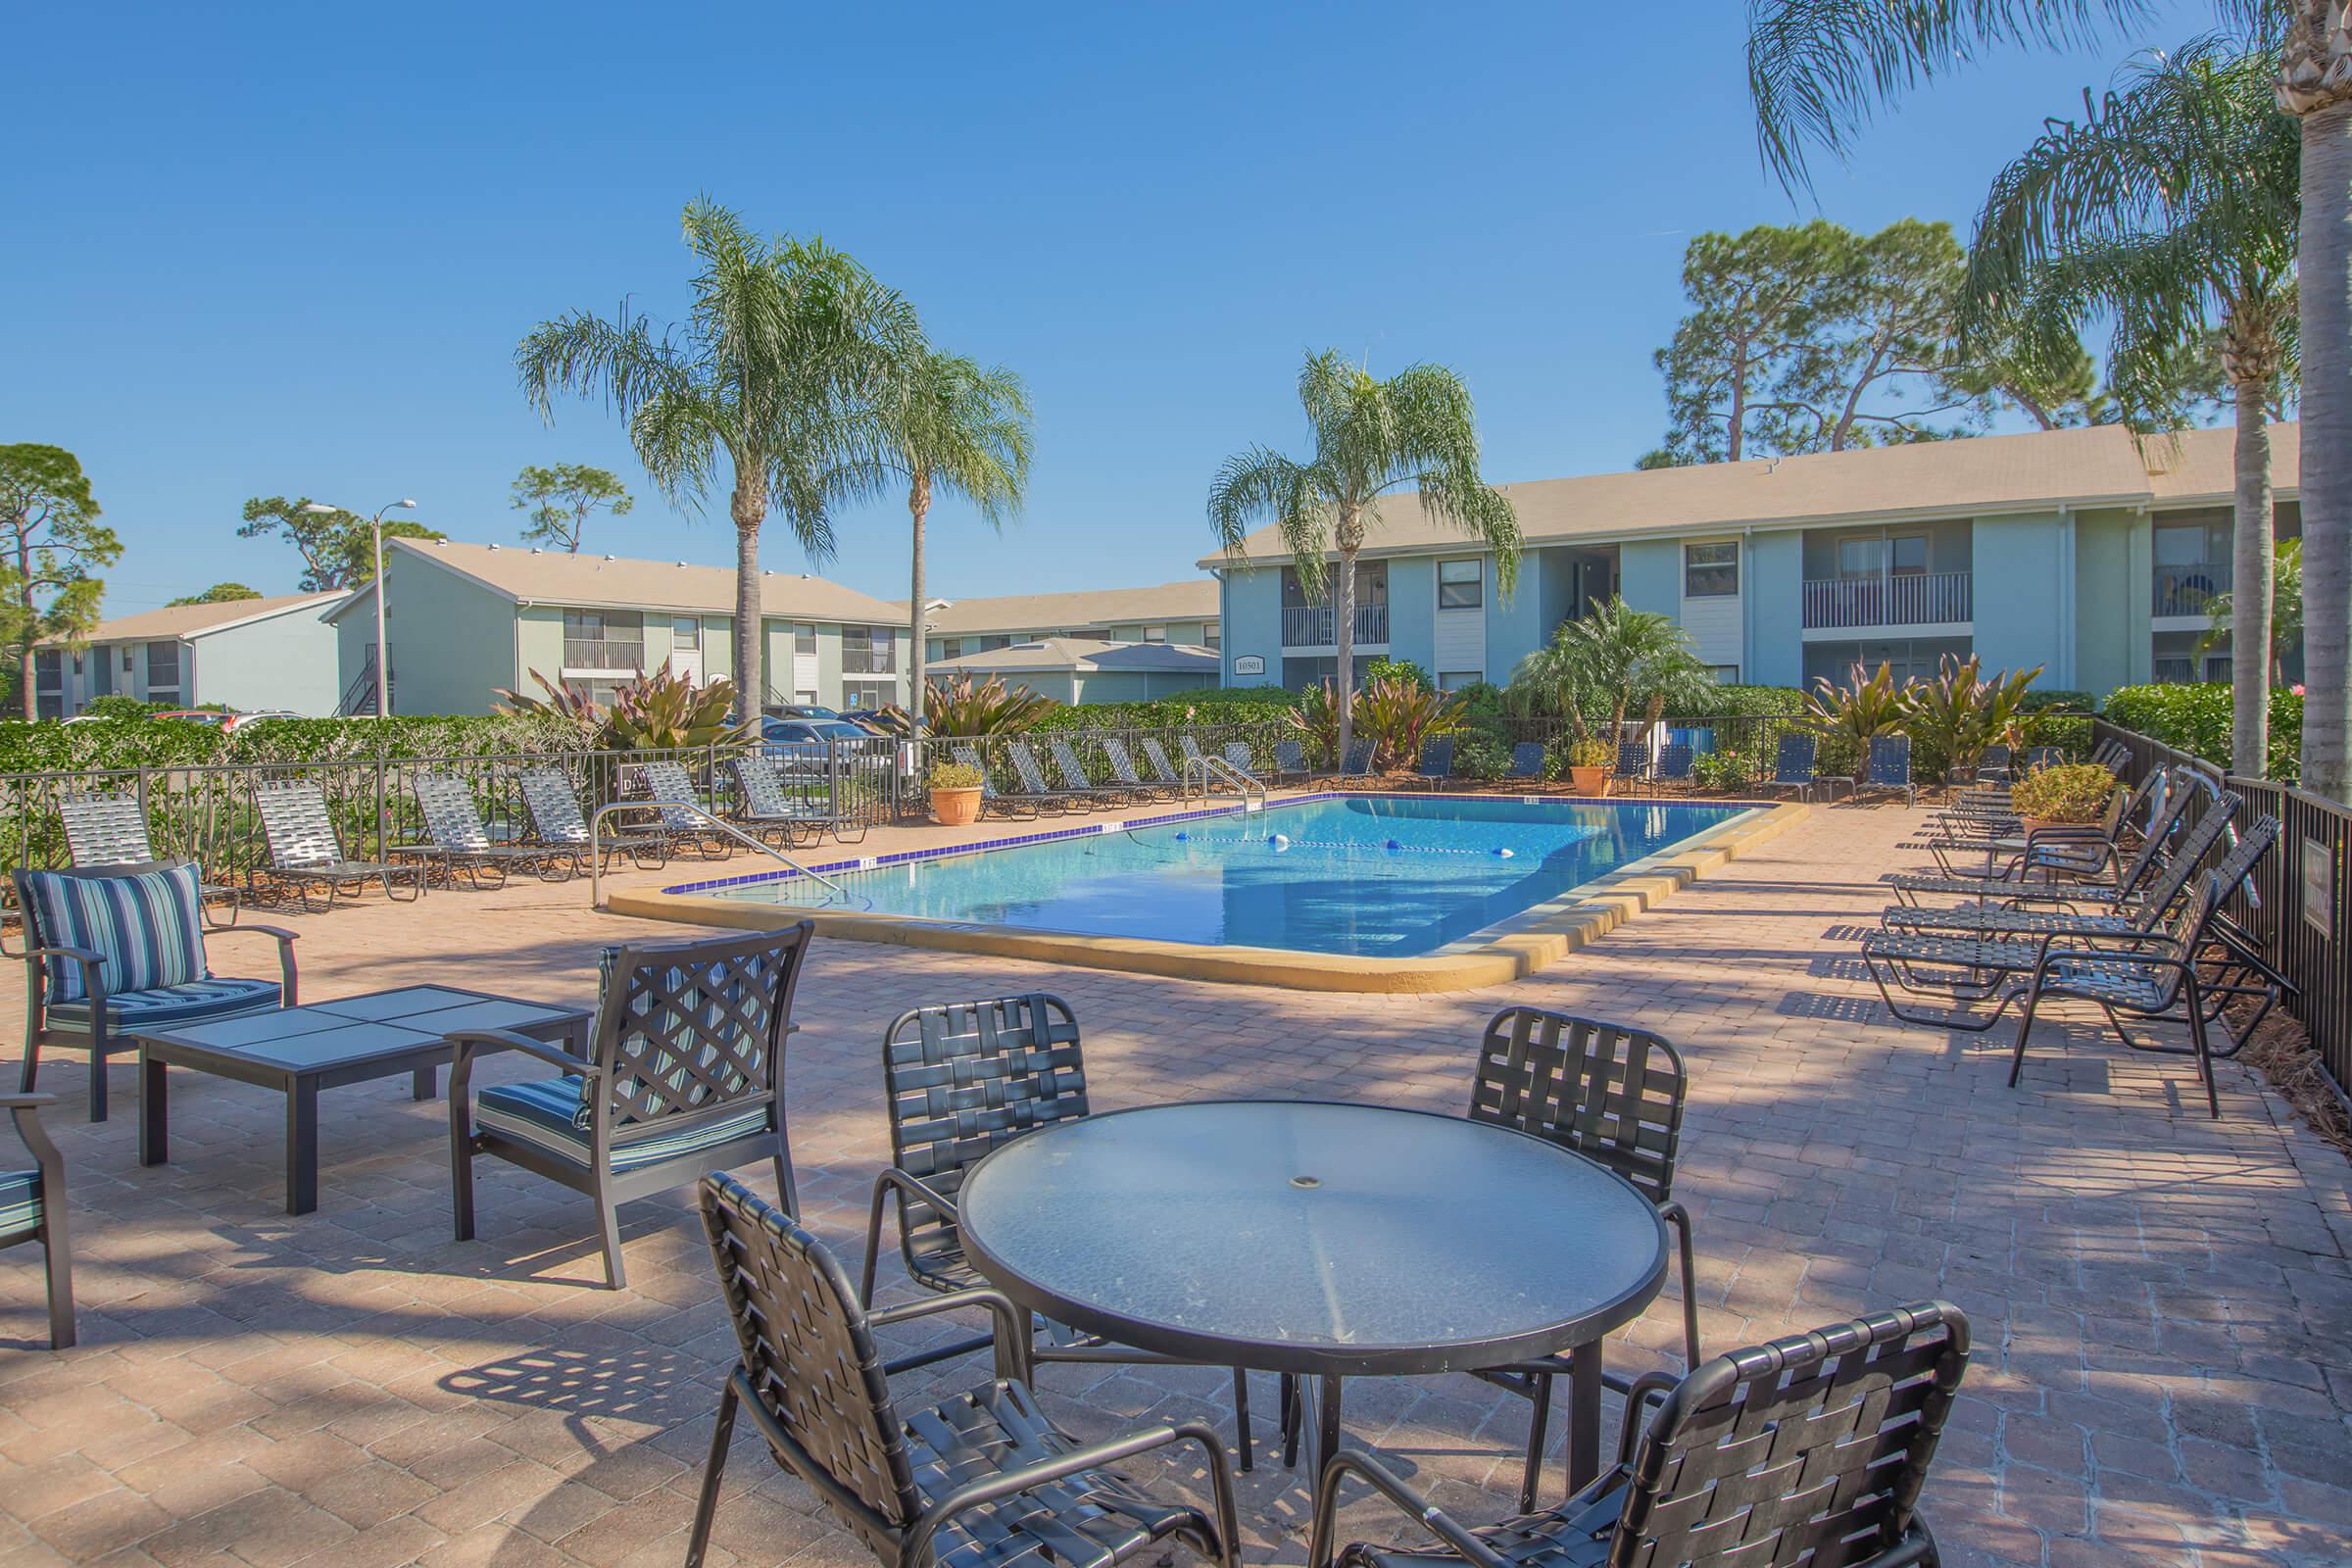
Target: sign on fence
<point x="2319" y="888"/>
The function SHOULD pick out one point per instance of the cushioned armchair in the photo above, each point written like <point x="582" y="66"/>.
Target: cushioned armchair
<point x="32" y="1208"/>
<point x="115" y="949"/>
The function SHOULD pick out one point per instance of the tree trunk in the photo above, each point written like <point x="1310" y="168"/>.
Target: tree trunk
<point x="1350" y="537"/>
<point x="918" y="503"/>
<point x="2250" y="590"/>
<point x="2325" y="263"/>
<point x="748" y="507"/>
<point x="29" y="633"/>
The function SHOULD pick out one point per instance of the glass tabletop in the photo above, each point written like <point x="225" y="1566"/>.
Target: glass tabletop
<point x="1306" y="1237"/>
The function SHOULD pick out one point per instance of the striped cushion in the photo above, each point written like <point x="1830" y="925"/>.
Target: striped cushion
<point x="20" y="1203"/>
<point x="198" y="1001"/>
<point x="146" y="926"/>
<point x="546" y="1113"/>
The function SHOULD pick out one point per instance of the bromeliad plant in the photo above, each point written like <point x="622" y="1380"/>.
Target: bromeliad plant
<point x="987" y="707"/>
<point x="1852" y="717"/>
<point x="660" y="711"/>
<point x="1316" y="719"/>
<point x="1398" y="715"/>
<point x="1959" y="713"/>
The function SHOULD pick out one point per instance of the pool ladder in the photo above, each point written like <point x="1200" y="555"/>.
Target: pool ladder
<point x="596" y="846"/>
<point x="1215" y="770"/>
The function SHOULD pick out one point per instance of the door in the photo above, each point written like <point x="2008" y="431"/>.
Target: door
<point x="686" y="649"/>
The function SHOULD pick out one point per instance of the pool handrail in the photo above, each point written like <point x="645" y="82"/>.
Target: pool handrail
<point x="1215" y="769"/>
<point x="596" y="858"/>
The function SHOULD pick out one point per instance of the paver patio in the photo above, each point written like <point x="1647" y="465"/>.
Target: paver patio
<point x="2162" y="1306"/>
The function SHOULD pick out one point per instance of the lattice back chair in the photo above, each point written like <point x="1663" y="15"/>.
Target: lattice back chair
<point x="106" y="830"/>
<point x="1993" y="764"/>
<point x="1157" y="756"/>
<point x="460" y="841"/>
<point x="554" y="808"/>
<point x="1612" y="1092"/>
<point x="684" y="1075"/>
<point x="1357" y="763"/>
<point x="305" y="853"/>
<point x="925" y="1489"/>
<point x="991" y="798"/>
<point x="1122" y="767"/>
<point x="1034" y="783"/>
<point x="1632" y="762"/>
<point x="1810" y="1451"/>
<point x="1437" y="761"/>
<point x="1237" y="756"/>
<point x="680" y="812"/>
<point x="1290" y="760"/>
<point x="1676" y="762"/>
<point x="32" y="1208"/>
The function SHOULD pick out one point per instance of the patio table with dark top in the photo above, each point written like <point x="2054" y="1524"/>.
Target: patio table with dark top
<point x="324" y="1045"/>
<point x="1320" y="1240"/>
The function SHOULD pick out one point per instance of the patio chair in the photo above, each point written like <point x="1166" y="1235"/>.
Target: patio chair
<point x="982" y="1480"/>
<point x="1163" y="773"/>
<point x="1290" y="764"/>
<point x="305" y="853"/>
<point x="1239" y="757"/>
<point x="2160" y="870"/>
<point x="1677" y="764"/>
<point x="1889" y="767"/>
<point x="1809" y="1449"/>
<point x="2078" y="854"/>
<point x="461" y="843"/>
<point x="679" y="815"/>
<point x="1073" y="776"/>
<point x="769" y="805"/>
<point x="1793" y="766"/>
<point x="1357" y="763"/>
<point x="109" y="830"/>
<point x="2040" y="757"/>
<point x="1632" y="763"/>
<point x="1993" y="765"/>
<point x="1613" y="1094"/>
<point x="122" y="947"/>
<point x="1019" y="806"/>
<point x="2112" y="754"/>
<point x="32" y="1208"/>
<point x="1122" y="768"/>
<point x="1034" y="786"/>
<point x="1527" y="762"/>
<point x="684" y="1076"/>
<point x="556" y="824"/>
<point x="1437" y="762"/>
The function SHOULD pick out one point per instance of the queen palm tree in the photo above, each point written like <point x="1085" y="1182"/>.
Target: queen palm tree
<point x="784" y="357"/>
<point x="1819" y="69"/>
<point x="954" y="426"/>
<point x="2170" y="207"/>
<point x="1370" y="437"/>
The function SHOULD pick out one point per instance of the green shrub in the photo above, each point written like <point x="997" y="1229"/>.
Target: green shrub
<point x="1480" y="756"/>
<point x="2198" y="720"/>
<point x="1232" y="705"/>
<point x="2043" y="700"/>
<point x="2073" y="792"/>
<point x="1740" y="701"/>
<point x="51" y="747"/>
<point x="1404" y="669"/>
<point x="1728" y="771"/>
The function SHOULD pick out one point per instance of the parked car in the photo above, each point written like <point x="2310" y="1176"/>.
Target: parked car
<point x="200" y="715"/>
<point x="800" y="710"/>
<point x="801" y="743"/>
<point x="238" y="721"/>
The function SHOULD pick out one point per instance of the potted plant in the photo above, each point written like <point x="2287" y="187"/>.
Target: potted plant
<point x="955" y="794"/>
<point x="1588" y="766"/>
<point x="2073" y="795"/>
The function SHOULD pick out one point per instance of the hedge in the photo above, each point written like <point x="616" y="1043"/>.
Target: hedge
<point x="52" y="748"/>
<point x="2199" y="719"/>
<point x="1229" y="705"/>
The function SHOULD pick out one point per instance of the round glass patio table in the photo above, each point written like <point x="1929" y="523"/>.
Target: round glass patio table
<point x="1331" y="1241"/>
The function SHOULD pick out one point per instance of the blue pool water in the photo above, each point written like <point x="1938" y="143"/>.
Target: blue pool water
<point x="1380" y="875"/>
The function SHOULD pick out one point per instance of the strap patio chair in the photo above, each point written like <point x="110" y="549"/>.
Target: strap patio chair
<point x="32" y="1208"/>
<point x="1020" y="807"/>
<point x="772" y="804"/>
<point x="1437" y="762"/>
<point x="1073" y="776"/>
<point x="981" y="1480"/>
<point x="114" y="949"/>
<point x="1162" y="771"/>
<point x="684" y="1076"/>
<point x="679" y="817"/>
<point x="1676" y="766"/>
<point x="1241" y="760"/>
<point x="1632" y="763"/>
<point x="1122" y="768"/>
<point x="1357" y="763"/>
<point x="109" y="830"/>
<point x="1995" y="766"/>
<point x="1889" y="769"/>
<point x="1793" y="764"/>
<point x="1613" y="1094"/>
<point x="557" y="825"/>
<point x="1035" y="788"/>
<point x="1291" y="765"/>
<point x="1526" y="763"/>
<point x="1811" y="1449"/>
<point x="2074" y="866"/>
<point x="305" y="852"/>
<point x="461" y="843"/>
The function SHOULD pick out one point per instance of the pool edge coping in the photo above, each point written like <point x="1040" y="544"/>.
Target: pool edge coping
<point x="1510" y="949"/>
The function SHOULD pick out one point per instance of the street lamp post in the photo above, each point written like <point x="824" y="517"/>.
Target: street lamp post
<point x="383" y="649"/>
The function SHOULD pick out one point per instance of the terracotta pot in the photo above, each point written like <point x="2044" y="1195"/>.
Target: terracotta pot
<point x="1588" y="780"/>
<point x="955" y="808"/>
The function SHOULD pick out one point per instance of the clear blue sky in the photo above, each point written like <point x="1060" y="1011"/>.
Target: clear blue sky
<point x="256" y="250"/>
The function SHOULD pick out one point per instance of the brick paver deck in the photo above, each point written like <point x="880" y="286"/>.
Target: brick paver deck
<point x="2162" y="1306"/>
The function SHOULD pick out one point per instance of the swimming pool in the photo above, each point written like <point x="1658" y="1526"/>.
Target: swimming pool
<point x="1363" y="875"/>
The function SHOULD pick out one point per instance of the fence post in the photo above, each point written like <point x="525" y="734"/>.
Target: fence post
<point x="382" y="836"/>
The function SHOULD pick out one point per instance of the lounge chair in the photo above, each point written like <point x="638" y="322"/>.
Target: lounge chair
<point x="1241" y="760"/>
<point x="1995" y="766"/>
<point x="106" y="830"/>
<point x="1437" y="762"/>
<point x="1632" y="763"/>
<point x="1889" y="767"/>
<point x="2083" y="871"/>
<point x="2073" y="848"/>
<point x="1164" y="773"/>
<point x="1290" y="764"/>
<point x="1813" y="1448"/>
<point x="1676" y="766"/>
<point x="557" y="825"/>
<point x="1122" y="768"/>
<point x="770" y="805"/>
<point x="32" y="1208"/>
<point x="1073" y="776"/>
<point x="112" y="950"/>
<point x="684" y="1076"/>
<point x="1526" y="763"/>
<point x="1022" y="808"/>
<point x="680" y="817"/>
<point x="1793" y="764"/>
<point x="1357" y="766"/>
<point x="305" y="853"/>
<point x="461" y="843"/>
<point x="1034" y="786"/>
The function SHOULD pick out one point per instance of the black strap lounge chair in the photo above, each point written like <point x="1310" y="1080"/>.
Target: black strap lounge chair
<point x="1608" y="1092"/>
<point x="1073" y="776"/>
<point x="1237" y="756"/>
<point x="556" y="824"/>
<point x="1889" y="767"/>
<point x="2073" y="858"/>
<point x="461" y="843"/>
<point x="1122" y="768"/>
<point x="1290" y="764"/>
<point x="774" y="802"/>
<point x="1034" y="787"/>
<point x="684" y="1075"/>
<point x="1437" y="762"/>
<point x="32" y="1208"/>
<point x="305" y="854"/>
<point x="1357" y="766"/>
<point x="108" y="830"/>
<point x="679" y="817"/>
<point x="1792" y="765"/>
<point x="982" y="1480"/>
<point x="1526" y="763"/>
<point x="1810" y="1449"/>
<point x="1163" y="772"/>
<point x="115" y="949"/>
<point x="992" y="802"/>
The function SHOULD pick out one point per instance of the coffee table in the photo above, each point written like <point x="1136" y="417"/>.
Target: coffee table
<point x="324" y="1045"/>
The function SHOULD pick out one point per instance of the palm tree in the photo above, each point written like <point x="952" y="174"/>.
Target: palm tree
<point x="780" y="366"/>
<point x="1615" y="657"/>
<point x="2287" y="610"/>
<point x="1819" y="69"/>
<point x="955" y="426"/>
<point x="2170" y="207"/>
<point x="1370" y="437"/>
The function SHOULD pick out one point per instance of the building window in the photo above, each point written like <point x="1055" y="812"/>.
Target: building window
<point x="162" y="673"/>
<point x="603" y="639"/>
<point x="1711" y="571"/>
<point x="1155" y="634"/>
<point x="803" y="641"/>
<point x="865" y="650"/>
<point x="1212" y="634"/>
<point x="49" y="683"/>
<point x="1907" y="555"/>
<point x="1454" y="681"/>
<point x="867" y="694"/>
<point x="1725" y="674"/>
<point x="1461" y="584"/>
<point x="686" y="634"/>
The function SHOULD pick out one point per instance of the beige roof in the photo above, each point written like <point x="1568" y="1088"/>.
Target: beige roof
<point x="2101" y="465"/>
<point x="1086" y="655"/>
<point x="556" y="577"/>
<point x="194" y="620"/>
<point x="1193" y="599"/>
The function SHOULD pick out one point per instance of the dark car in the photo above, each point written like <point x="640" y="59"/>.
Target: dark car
<point x="801" y="743"/>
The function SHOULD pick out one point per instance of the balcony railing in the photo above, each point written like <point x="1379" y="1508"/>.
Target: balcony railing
<point x="603" y="652"/>
<point x="2189" y="590"/>
<point x="1318" y="625"/>
<point x="1913" y="599"/>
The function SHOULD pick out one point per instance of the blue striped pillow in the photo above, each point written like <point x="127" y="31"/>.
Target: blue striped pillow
<point x="146" y="927"/>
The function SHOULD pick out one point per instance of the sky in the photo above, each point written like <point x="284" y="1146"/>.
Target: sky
<point x="264" y="250"/>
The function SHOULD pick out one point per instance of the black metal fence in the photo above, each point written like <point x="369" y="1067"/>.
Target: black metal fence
<point x="2298" y="908"/>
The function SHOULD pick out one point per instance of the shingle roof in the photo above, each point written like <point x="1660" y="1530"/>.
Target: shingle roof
<point x="556" y="577"/>
<point x="192" y="620"/>
<point x="1193" y="599"/>
<point x="1085" y="655"/>
<point x="2100" y="466"/>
